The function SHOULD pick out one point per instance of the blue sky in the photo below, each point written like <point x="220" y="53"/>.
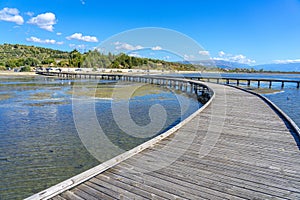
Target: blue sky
<point x="252" y="32"/>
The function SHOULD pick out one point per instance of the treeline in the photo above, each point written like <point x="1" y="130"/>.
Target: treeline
<point x="243" y="70"/>
<point x="15" y="55"/>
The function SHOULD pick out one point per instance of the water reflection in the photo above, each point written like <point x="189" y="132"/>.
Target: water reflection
<point x="39" y="144"/>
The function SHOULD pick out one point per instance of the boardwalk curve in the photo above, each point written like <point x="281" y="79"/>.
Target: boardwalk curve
<point x="256" y="157"/>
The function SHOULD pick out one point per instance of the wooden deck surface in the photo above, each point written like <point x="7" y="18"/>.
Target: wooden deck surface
<point x="253" y="156"/>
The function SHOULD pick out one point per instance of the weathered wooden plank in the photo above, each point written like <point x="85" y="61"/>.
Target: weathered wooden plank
<point x="281" y="155"/>
<point x="120" y="192"/>
<point x="139" y="182"/>
<point x="93" y="192"/>
<point x="102" y="190"/>
<point x="70" y="196"/>
<point x="218" y="186"/>
<point x="216" y="159"/>
<point x="199" y="191"/>
<point x="58" y="198"/>
<point x="82" y="193"/>
<point x="124" y="186"/>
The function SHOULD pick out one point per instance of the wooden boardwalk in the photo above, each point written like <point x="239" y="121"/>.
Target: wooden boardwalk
<point x="240" y="149"/>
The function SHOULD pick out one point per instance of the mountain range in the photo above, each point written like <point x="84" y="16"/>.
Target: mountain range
<point x="280" y="67"/>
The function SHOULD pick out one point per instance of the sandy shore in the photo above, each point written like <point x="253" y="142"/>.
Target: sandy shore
<point x="11" y="73"/>
<point x="124" y="71"/>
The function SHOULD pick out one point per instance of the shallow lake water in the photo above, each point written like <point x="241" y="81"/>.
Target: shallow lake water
<point x="40" y="145"/>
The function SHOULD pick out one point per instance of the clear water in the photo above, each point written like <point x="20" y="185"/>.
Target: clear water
<point x="289" y="102"/>
<point x="39" y="144"/>
<point x="288" y="99"/>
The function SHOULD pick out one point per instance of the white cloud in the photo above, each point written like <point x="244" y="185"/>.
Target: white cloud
<point x="78" y="46"/>
<point x="46" y="41"/>
<point x="135" y="54"/>
<point x="222" y="53"/>
<point x="204" y="53"/>
<point x="79" y="36"/>
<point x="58" y="33"/>
<point x="82" y="2"/>
<point x="156" y="48"/>
<point x="130" y="47"/>
<point x="126" y="46"/>
<point x="188" y="57"/>
<point x="11" y="15"/>
<point x="30" y="14"/>
<point x="286" y="61"/>
<point x="234" y="58"/>
<point x="44" y="21"/>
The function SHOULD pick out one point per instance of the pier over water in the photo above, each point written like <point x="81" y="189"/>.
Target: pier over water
<point x="253" y="153"/>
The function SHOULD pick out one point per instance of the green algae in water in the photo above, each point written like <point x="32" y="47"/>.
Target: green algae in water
<point x="47" y="103"/>
<point x="40" y="146"/>
<point x="41" y="95"/>
<point x="5" y="96"/>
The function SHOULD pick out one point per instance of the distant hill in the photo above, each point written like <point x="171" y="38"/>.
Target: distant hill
<point x="281" y="67"/>
<point x="286" y="67"/>
<point x="16" y="55"/>
<point x="217" y="64"/>
<point x="232" y="66"/>
<point x="16" y="51"/>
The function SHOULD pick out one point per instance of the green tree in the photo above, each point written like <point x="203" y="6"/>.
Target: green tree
<point x="115" y="64"/>
<point x="31" y="62"/>
<point x="75" y="59"/>
<point x="48" y="61"/>
<point x="25" y="69"/>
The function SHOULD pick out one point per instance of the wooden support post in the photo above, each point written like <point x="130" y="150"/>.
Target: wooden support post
<point x="237" y="82"/>
<point x="282" y="84"/>
<point x="248" y="83"/>
<point x="227" y="81"/>
<point x="218" y="80"/>
<point x="258" y="84"/>
<point x="270" y="84"/>
<point x="298" y="85"/>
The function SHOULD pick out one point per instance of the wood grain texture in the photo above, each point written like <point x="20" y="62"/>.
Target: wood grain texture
<point x="255" y="157"/>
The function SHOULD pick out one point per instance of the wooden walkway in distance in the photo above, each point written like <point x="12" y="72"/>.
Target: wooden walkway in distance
<point x="253" y="155"/>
